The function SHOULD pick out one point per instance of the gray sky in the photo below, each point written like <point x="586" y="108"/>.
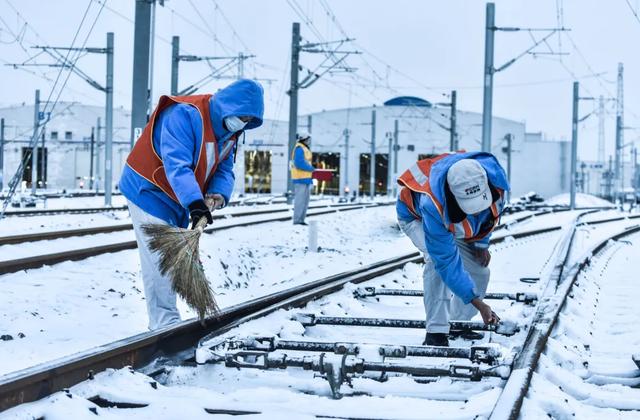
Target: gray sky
<point x="411" y="47"/>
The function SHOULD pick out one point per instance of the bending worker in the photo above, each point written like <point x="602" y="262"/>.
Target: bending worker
<point x="184" y="156"/>
<point x="448" y="207"/>
<point x="301" y="174"/>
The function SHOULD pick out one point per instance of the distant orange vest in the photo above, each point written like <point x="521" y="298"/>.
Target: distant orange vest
<point x="147" y="163"/>
<point x="416" y="178"/>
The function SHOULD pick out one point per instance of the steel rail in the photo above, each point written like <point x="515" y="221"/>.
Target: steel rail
<point x="527" y="217"/>
<point x="151" y="351"/>
<point x="253" y="201"/>
<point x="40" y="236"/>
<point x="45" y="212"/>
<point x="525" y="364"/>
<point x="37" y="261"/>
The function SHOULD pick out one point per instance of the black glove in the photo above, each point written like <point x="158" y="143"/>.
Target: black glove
<point x="198" y="209"/>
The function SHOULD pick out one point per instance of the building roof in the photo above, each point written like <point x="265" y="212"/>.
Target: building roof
<point x="408" y="101"/>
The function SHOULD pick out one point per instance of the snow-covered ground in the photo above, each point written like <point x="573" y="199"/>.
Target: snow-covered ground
<point x="582" y="200"/>
<point x="100" y="299"/>
<point x="27" y="249"/>
<point x="277" y="394"/>
<point x="119" y="200"/>
<point x="586" y="370"/>
<point x="70" y="307"/>
<point x="54" y="222"/>
<point x="72" y="203"/>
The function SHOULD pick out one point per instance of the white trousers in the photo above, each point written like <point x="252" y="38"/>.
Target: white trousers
<point x="438" y="304"/>
<point x="161" y="299"/>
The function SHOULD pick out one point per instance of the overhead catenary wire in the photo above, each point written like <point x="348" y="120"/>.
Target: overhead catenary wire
<point x="21" y="39"/>
<point x="26" y="48"/>
<point x="49" y="106"/>
<point x="633" y="11"/>
<point x="354" y="75"/>
<point x="208" y="32"/>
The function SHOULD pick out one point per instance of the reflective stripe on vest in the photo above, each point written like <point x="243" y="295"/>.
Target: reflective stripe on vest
<point x="407" y="198"/>
<point x="463" y="230"/>
<point x="147" y="163"/>
<point x="416" y="178"/>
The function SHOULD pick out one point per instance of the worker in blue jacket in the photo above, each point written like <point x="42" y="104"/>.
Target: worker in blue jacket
<point x="302" y="176"/>
<point x="181" y="168"/>
<point x="448" y="207"/>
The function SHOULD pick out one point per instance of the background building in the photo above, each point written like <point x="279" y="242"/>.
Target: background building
<point x="64" y="150"/>
<point x="341" y="141"/>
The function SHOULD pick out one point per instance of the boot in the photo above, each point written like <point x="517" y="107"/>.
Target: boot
<point x="467" y="335"/>
<point x="436" y="339"/>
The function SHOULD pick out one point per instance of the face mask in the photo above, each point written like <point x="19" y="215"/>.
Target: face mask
<point x="234" y="124"/>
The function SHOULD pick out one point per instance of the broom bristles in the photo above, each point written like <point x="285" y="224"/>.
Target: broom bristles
<point x="179" y="258"/>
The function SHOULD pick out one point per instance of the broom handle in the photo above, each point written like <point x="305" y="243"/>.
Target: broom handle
<point x="201" y="224"/>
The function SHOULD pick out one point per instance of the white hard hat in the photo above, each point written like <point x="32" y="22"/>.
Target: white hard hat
<point x="304" y="135"/>
<point x="468" y="182"/>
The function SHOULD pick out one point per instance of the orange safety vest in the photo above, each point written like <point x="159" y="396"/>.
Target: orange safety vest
<point x="146" y="162"/>
<point x="416" y="178"/>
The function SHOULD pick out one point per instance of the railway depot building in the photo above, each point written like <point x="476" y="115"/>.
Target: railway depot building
<point x="64" y="149"/>
<point x="341" y="141"/>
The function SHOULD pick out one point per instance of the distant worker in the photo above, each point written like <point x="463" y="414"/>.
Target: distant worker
<point x="448" y="207"/>
<point x="301" y="174"/>
<point x="185" y="155"/>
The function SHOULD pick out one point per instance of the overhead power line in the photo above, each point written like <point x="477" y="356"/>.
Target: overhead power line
<point x="635" y="14"/>
<point x="49" y="106"/>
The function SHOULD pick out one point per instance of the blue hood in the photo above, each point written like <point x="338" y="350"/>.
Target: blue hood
<point x="495" y="174"/>
<point x="241" y="98"/>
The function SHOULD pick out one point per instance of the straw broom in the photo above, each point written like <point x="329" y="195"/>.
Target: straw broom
<point x="179" y="251"/>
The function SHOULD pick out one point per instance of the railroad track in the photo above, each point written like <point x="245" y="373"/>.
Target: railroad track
<point x="48" y="212"/>
<point x="79" y="210"/>
<point x="36" y="261"/>
<point x="59" y="234"/>
<point x="153" y="352"/>
<point x="69" y="233"/>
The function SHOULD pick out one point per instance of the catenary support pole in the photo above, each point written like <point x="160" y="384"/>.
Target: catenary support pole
<point x="34" y="150"/>
<point x="241" y="58"/>
<point x="487" y="102"/>
<point x="91" y="153"/>
<point x="1" y="154"/>
<point x="108" y="132"/>
<point x="453" y="141"/>
<point x="140" y="87"/>
<point x="509" y="138"/>
<point x="609" y="184"/>
<point x="175" y="64"/>
<point x="43" y="159"/>
<point x="574" y="145"/>
<point x="619" y="131"/>
<point x="601" y="116"/>
<point x="293" y="102"/>
<point x="396" y="149"/>
<point x="634" y="181"/>
<point x="372" y="162"/>
<point x="389" y="173"/>
<point x="99" y="175"/>
<point x="346" y="157"/>
<point x="152" y="38"/>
